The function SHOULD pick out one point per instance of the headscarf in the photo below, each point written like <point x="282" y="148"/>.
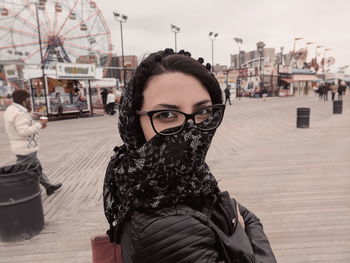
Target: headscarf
<point x="164" y="171"/>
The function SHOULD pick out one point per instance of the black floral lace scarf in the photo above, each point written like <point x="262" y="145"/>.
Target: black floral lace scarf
<point x="165" y="171"/>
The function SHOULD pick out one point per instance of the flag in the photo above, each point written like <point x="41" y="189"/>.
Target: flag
<point x="322" y="62"/>
<point x="298" y="38"/>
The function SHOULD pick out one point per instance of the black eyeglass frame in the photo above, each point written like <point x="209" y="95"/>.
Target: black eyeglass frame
<point x="187" y="117"/>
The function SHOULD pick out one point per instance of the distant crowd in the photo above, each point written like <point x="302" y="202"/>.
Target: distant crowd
<point x="324" y="88"/>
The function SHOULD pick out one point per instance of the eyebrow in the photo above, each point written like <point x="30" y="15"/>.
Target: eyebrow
<point x="200" y="103"/>
<point x="175" y="107"/>
<point x="166" y="106"/>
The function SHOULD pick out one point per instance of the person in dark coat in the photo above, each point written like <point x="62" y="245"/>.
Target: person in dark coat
<point x="326" y="90"/>
<point x="227" y="95"/>
<point x="341" y="90"/>
<point x="322" y="91"/>
<point x="104" y="95"/>
<point x="161" y="200"/>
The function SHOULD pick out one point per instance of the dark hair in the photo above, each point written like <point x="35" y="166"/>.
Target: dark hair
<point x="20" y="95"/>
<point x="165" y="62"/>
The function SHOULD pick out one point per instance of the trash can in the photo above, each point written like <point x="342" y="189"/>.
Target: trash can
<point x="21" y="208"/>
<point x="303" y="117"/>
<point x="337" y="107"/>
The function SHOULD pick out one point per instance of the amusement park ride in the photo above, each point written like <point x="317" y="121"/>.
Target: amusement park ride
<point x="60" y="45"/>
<point x="71" y="30"/>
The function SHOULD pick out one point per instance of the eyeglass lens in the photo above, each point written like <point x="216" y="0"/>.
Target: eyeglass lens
<point x="170" y="122"/>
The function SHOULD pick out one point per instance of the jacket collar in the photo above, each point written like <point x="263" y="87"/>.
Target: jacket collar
<point x="20" y="107"/>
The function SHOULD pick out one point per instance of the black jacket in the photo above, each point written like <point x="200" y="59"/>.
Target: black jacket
<point x="183" y="234"/>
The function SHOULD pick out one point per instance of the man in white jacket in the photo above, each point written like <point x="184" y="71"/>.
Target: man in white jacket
<point x="110" y="102"/>
<point x="22" y="131"/>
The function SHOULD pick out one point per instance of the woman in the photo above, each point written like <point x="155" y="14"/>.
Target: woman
<point x="160" y="198"/>
<point x="80" y="102"/>
<point x="59" y="104"/>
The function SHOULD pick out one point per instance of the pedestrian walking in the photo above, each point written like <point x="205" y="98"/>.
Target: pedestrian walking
<point x="23" y="133"/>
<point x="341" y="90"/>
<point x="104" y="95"/>
<point x="319" y="90"/>
<point x="227" y="95"/>
<point x="326" y="90"/>
<point x="80" y="102"/>
<point x="161" y="200"/>
<point x="59" y="104"/>
<point x="322" y="91"/>
<point x="110" y="103"/>
<point x="334" y="90"/>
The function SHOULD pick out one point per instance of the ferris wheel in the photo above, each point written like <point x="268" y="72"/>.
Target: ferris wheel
<point x="71" y="31"/>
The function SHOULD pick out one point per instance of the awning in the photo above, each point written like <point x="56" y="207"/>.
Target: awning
<point x="298" y="77"/>
<point x="288" y="80"/>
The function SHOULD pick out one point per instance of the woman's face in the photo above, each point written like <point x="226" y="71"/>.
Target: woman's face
<point x="26" y="103"/>
<point x="172" y="91"/>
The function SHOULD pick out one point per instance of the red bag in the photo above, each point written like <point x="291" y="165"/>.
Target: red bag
<point x="103" y="251"/>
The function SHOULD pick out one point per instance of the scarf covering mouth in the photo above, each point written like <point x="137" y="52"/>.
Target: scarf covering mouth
<point x="165" y="171"/>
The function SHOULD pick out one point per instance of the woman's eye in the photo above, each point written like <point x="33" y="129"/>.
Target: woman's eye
<point x="165" y="116"/>
<point x="205" y="112"/>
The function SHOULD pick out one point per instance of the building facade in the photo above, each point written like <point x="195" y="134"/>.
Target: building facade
<point x="269" y="54"/>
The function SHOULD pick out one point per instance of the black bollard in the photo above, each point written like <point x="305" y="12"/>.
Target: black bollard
<point x="21" y="211"/>
<point x="303" y="117"/>
<point x="337" y="107"/>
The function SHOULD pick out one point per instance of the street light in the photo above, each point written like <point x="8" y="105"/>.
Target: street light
<point x="307" y="44"/>
<point x="317" y="47"/>
<point x="295" y="40"/>
<point x="42" y="61"/>
<point x="121" y="19"/>
<point x="260" y="47"/>
<point x="324" y="62"/>
<point x="239" y="42"/>
<point x="279" y="64"/>
<point x="281" y="48"/>
<point x="342" y="69"/>
<point x="212" y="37"/>
<point x="176" y="30"/>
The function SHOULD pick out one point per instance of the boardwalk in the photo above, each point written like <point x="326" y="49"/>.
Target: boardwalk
<point x="296" y="180"/>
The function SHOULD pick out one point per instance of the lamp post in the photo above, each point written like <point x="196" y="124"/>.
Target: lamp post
<point x="212" y="37"/>
<point x="324" y="62"/>
<point x="281" y="48"/>
<point x="307" y="44"/>
<point x="317" y="47"/>
<point x="295" y="40"/>
<point x="239" y="42"/>
<point x="121" y="19"/>
<point x="260" y="47"/>
<point x="278" y="66"/>
<point x="176" y="30"/>
<point x="42" y="61"/>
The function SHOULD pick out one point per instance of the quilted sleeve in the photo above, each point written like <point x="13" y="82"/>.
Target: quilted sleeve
<point x="175" y="238"/>
<point x="259" y="241"/>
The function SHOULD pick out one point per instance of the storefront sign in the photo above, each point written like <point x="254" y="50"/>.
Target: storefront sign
<point x="285" y="69"/>
<point x="11" y="72"/>
<point x="75" y="71"/>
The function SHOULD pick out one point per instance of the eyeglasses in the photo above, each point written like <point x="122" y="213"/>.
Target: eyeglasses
<point x="170" y="122"/>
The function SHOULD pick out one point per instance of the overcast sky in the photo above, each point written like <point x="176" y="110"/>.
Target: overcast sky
<point x="275" y="22"/>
